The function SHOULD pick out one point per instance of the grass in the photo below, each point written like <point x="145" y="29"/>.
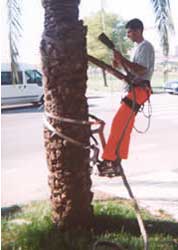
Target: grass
<point x="32" y="229"/>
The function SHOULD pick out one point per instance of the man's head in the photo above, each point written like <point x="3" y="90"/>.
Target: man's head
<point x="135" y="30"/>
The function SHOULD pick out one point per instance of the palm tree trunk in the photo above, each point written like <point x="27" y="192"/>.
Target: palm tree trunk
<point x="64" y="63"/>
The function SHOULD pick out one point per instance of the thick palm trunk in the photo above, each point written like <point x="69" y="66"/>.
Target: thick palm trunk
<point x="64" y="61"/>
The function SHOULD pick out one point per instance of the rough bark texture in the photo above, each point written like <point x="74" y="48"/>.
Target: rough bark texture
<point x="64" y="62"/>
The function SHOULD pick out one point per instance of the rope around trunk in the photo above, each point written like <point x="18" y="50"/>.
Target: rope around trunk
<point x="97" y="244"/>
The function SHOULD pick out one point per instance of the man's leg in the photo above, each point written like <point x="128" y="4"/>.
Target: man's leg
<point x="122" y="126"/>
<point x="120" y="134"/>
<point x="117" y="146"/>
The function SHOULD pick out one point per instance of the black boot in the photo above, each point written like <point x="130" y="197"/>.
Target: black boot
<point x="108" y="168"/>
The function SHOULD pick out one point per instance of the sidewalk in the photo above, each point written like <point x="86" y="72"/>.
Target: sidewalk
<point x="155" y="192"/>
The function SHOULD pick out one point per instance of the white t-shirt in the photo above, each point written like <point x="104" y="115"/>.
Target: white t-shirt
<point x="144" y="55"/>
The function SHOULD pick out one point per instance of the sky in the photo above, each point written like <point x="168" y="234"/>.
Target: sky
<point x="33" y="17"/>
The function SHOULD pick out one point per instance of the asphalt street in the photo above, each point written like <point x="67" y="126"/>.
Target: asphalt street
<point x="152" y="167"/>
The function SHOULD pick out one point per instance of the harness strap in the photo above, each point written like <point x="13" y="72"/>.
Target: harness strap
<point x="131" y="104"/>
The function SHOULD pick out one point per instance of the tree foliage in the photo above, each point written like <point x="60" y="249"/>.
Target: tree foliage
<point x="164" y="22"/>
<point x="114" y="29"/>
<point x="15" y="29"/>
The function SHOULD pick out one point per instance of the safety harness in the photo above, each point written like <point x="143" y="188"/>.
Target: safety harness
<point x="131" y="104"/>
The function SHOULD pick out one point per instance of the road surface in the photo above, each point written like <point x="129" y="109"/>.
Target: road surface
<point x="152" y="167"/>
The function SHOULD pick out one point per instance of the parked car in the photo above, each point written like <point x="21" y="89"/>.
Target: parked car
<point x="28" y="89"/>
<point x="171" y="87"/>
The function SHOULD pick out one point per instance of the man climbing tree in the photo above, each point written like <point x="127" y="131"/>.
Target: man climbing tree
<point x="139" y="91"/>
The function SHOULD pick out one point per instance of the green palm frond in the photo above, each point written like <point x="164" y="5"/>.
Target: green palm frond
<point x="163" y="21"/>
<point x="15" y="29"/>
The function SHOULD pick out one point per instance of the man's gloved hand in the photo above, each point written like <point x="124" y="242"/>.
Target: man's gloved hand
<point x="117" y="58"/>
<point x="115" y="64"/>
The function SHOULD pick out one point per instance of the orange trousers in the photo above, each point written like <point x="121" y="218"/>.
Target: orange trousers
<point x="120" y="121"/>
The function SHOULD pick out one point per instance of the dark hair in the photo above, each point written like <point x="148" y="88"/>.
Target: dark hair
<point x="135" y="24"/>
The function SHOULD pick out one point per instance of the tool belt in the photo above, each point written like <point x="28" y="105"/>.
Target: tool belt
<point x="146" y="84"/>
<point x="143" y="84"/>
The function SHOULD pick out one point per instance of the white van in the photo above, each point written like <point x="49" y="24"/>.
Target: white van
<point x="29" y="89"/>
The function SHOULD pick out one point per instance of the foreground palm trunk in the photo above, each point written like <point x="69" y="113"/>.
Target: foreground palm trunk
<point x="64" y="62"/>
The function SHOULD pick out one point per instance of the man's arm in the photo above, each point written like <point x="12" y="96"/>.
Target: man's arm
<point x="119" y="59"/>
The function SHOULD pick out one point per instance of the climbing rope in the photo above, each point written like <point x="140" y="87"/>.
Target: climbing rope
<point x="99" y="130"/>
<point x="147" y="116"/>
<point x="94" y="160"/>
<point x="134" y="201"/>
